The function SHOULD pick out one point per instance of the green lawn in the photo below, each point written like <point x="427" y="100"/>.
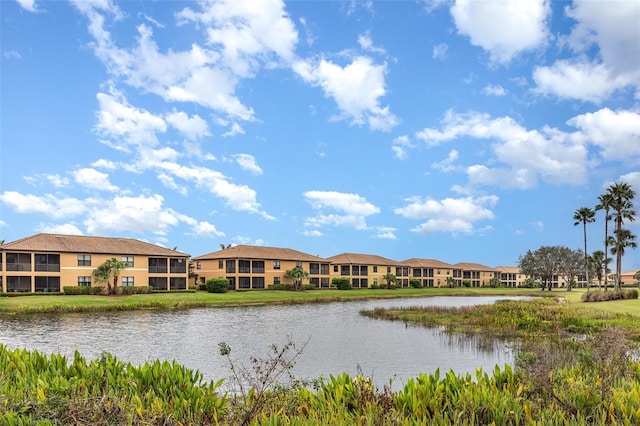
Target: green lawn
<point x="48" y="303"/>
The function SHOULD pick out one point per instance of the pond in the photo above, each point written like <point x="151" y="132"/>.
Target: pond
<point x="338" y="339"/>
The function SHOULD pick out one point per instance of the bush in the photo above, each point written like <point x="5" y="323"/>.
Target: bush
<point x="375" y="286"/>
<point x="217" y="285"/>
<point x="415" y="283"/>
<point x="466" y="283"/>
<point x="605" y="296"/>
<point x="341" y="283"/>
<point x="135" y="290"/>
<point x="84" y="290"/>
<point x="286" y="287"/>
<point x="202" y="287"/>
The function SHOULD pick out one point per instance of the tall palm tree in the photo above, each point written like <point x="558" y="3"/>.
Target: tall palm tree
<point x="604" y="203"/>
<point x="583" y="216"/>
<point x="597" y="260"/>
<point x="624" y="239"/>
<point x="622" y="205"/>
<point x="104" y="272"/>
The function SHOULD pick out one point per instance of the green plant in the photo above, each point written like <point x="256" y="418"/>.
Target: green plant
<point x="217" y="285"/>
<point x="341" y="283"/>
<point x="415" y="283"/>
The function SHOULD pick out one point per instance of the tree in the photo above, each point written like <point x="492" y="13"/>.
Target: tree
<point x="103" y="273"/>
<point x="622" y="205"/>
<point x="604" y="203"/>
<point x="542" y="264"/>
<point x="450" y="282"/>
<point x="636" y="277"/>
<point x="599" y="264"/>
<point x="570" y="264"/>
<point x="583" y="216"/>
<point x="390" y="279"/>
<point x="224" y="247"/>
<point x="296" y="275"/>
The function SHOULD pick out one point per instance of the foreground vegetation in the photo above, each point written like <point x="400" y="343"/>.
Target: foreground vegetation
<point x="555" y="380"/>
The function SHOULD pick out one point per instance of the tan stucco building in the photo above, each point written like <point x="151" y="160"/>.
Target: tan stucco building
<point x="366" y="270"/>
<point x="50" y="262"/>
<point x="434" y="273"/>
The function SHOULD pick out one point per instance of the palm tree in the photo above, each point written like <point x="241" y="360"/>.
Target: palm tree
<point x="390" y="278"/>
<point x="297" y="275"/>
<point x="583" y="216"/>
<point x="604" y="203"/>
<point x="622" y="204"/>
<point x="624" y="239"/>
<point x="104" y="272"/>
<point x="450" y="282"/>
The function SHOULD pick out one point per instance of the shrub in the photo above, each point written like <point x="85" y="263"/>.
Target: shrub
<point x="466" y="283"/>
<point x="202" y="287"/>
<point x="415" y="283"/>
<point x="341" y="283"/>
<point x="217" y="285"/>
<point x="375" y="286"/>
<point x="84" y="290"/>
<point x="605" y="296"/>
<point x="286" y="287"/>
<point x="135" y="290"/>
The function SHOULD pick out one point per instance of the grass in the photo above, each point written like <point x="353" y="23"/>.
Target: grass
<point x="48" y="303"/>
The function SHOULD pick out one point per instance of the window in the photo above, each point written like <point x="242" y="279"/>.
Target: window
<point x="158" y="283"/>
<point x="178" y="265"/>
<point x="158" y="265"/>
<point x="364" y="282"/>
<point x="19" y="284"/>
<point x="375" y="269"/>
<point x="375" y="281"/>
<point x="298" y="264"/>
<point x="324" y="282"/>
<point x="47" y="262"/>
<point x="257" y="267"/>
<point x="335" y="268"/>
<point x="344" y="269"/>
<point x="417" y="272"/>
<point x="355" y="270"/>
<point x="231" y="266"/>
<point x="324" y="269"/>
<point x="198" y="265"/>
<point x="128" y="261"/>
<point x="314" y="268"/>
<point x="355" y="282"/>
<point x="178" y="283"/>
<point x="314" y="281"/>
<point x="47" y="284"/>
<point x="127" y="281"/>
<point x="244" y="282"/>
<point x="84" y="260"/>
<point x="438" y="271"/>
<point x="276" y="264"/>
<point x="84" y="281"/>
<point x="388" y="269"/>
<point x="364" y="270"/>
<point x="276" y="280"/>
<point x="18" y="262"/>
<point x="232" y="283"/>
<point x="244" y="266"/>
<point x="220" y="264"/>
<point x="257" y="282"/>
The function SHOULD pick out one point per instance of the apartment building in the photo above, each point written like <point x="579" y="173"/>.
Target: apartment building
<point x="366" y="270"/>
<point x="258" y="267"/>
<point x="478" y="275"/>
<point x="627" y="278"/>
<point x="50" y="262"/>
<point x="510" y="276"/>
<point x="433" y="273"/>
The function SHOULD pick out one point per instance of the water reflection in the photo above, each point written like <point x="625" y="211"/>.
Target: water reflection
<point x="338" y="338"/>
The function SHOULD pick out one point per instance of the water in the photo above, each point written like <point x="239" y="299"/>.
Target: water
<point x="338" y="339"/>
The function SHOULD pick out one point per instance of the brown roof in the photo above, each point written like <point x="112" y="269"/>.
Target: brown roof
<point x="465" y="266"/>
<point x="260" y="252"/>
<point x="508" y="269"/>
<point x="415" y="262"/>
<point x="84" y="244"/>
<point x="362" y="259"/>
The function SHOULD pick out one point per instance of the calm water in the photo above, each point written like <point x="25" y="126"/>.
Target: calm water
<point x="337" y="338"/>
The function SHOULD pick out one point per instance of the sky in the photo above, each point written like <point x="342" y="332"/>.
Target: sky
<point x="457" y="130"/>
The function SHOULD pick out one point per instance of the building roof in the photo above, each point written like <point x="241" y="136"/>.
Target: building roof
<point x="91" y="245"/>
<point x="415" y="262"/>
<point x="260" y="252"/>
<point x="362" y="259"/>
<point x="508" y="269"/>
<point x="466" y="266"/>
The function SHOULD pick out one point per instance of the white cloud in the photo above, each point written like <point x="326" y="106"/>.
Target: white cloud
<point x="57" y="181"/>
<point x="91" y="178"/>
<point x="248" y="162"/>
<point x="29" y="5"/>
<point x="455" y="215"/>
<point x="632" y="179"/>
<point x="400" y="146"/>
<point x="549" y="154"/>
<point x="365" y="42"/>
<point x="440" y="51"/>
<point x="352" y="209"/>
<point x="104" y="164"/>
<point x="447" y="165"/>
<point x="12" y="54"/>
<point x="538" y="224"/>
<point x="312" y="233"/>
<point x="66" y="229"/>
<point x="583" y="81"/>
<point x="617" y="133"/>
<point x="356" y="88"/>
<point x="57" y="207"/>
<point x="206" y="230"/>
<point x="192" y="127"/>
<point x="386" y="233"/>
<point x="503" y="28"/>
<point x="494" y="90"/>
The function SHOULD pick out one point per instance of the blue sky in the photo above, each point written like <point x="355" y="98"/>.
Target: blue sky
<point x="464" y="131"/>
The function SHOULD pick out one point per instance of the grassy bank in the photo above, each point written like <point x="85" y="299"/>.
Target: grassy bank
<point x="48" y="304"/>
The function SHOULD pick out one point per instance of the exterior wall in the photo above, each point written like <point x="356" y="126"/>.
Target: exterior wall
<point x="364" y="275"/>
<point x="256" y="276"/>
<point x="72" y="272"/>
<point x="435" y="276"/>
